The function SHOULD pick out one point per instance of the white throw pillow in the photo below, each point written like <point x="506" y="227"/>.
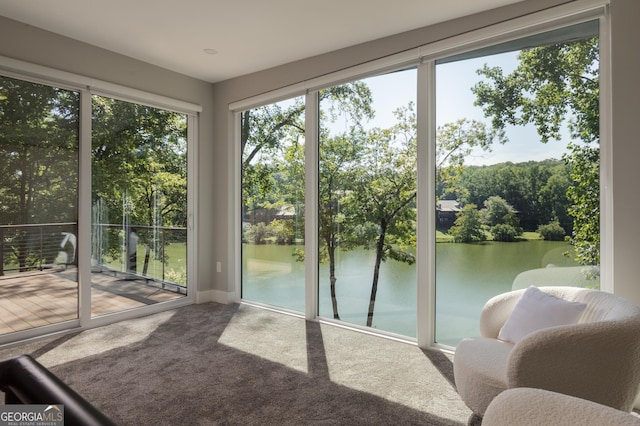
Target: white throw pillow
<point x="537" y="310"/>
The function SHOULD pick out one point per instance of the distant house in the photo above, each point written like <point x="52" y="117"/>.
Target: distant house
<point x="446" y="211"/>
<point x="264" y="215"/>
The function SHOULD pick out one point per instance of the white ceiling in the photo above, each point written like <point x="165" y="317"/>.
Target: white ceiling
<point x="248" y="35"/>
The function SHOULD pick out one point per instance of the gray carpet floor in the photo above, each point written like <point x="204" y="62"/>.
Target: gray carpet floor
<point x="214" y="364"/>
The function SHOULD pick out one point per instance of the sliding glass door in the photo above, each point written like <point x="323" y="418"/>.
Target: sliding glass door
<point x="139" y="205"/>
<point x="39" y="147"/>
<point x="117" y="241"/>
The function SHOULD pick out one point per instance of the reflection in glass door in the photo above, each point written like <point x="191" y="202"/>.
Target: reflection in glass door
<point x="139" y="206"/>
<point x="38" y="205"/>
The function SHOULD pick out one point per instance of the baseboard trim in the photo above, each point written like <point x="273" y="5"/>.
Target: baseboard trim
<point x="217" y="296"/>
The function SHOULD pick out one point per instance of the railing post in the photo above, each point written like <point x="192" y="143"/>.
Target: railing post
<point x="41" y="250"/>
<point x="1" y="252"/>
<point x="162" y="258"/>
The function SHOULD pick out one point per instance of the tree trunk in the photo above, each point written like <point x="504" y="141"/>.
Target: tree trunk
<point x="332" y="279"/>
<point x="376" y="271"/>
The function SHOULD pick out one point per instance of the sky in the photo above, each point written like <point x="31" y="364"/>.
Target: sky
<point x="454" y="101"/>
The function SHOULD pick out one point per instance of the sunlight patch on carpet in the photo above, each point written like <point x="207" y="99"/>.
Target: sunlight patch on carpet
<point x="102" y="339"/>
<point x="275" y="337"/>
<point x="384" y="362"/>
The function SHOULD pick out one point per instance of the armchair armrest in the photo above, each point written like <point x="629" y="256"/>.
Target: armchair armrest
<point x="594" y="361"/>
<point x="496" y="312"/>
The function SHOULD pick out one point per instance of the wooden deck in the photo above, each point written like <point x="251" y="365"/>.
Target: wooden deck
<point x="35" y="299"/>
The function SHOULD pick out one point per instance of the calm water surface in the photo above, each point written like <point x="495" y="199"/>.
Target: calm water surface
<point x="467" y="275"/>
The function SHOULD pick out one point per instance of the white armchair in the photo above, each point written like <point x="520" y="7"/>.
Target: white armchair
<point x="535" y="407"/>
<point x="597" y="358"/>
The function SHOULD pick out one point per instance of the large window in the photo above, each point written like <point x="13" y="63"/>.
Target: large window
<point x="366" y="202"/>
<point x="517" y="172"/>
<point x="432" y="184"/>
<point x="273" y="182"/>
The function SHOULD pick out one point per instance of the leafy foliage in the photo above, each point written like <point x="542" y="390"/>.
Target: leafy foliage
<point x="39" y="145"/>
<point x="497" y="211"/>
<point x="505" y="233"/>
<point x="552" y="231"/>
<point x="551" y="84"/>
<point x="139" y="159"/>
<point x="537" y="190"/>
<point x="468" y="226"/>
<point x="455" y="141"/>
<point x="39" y="148"/>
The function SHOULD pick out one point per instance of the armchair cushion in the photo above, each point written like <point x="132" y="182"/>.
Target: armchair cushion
<point x="537" y="310"/>
<point x="534" y="407"/>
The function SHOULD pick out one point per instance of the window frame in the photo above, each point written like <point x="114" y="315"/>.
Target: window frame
<point x="425" y="57"/>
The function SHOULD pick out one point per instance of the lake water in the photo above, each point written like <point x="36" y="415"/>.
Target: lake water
<point x="467" y="275"/>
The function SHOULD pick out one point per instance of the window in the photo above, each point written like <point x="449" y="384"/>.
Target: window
<point x="273" y="182"/>
<point x="517" y="154"/>
<point x="74" y="249"/>
<point x="366" y="202"/>
<point x="445" y="176"/>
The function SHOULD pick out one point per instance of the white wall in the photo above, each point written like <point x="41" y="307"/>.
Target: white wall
<point x="625" y="64"/>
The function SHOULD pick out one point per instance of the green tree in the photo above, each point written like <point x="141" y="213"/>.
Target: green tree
<point x="39" y="167"/>
<point x="553" y="84"/>
<point x="385" y="191"/>
<point x="552" y="231"/>
<point x="468" y="226"/>
<point x="337" y="156"/>
<point x="501" y="219"/>
<point x="39" y="149"/>
<point x="455" y="141"/>
<point x="553" y="194"/>
<point x="497" y="211"/>
<point x="139" y="169"/>
<point x="536" y="189"/>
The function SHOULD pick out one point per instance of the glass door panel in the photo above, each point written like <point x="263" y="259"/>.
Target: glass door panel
<point x="38" y="205"/>
<point x="139" y="206"/>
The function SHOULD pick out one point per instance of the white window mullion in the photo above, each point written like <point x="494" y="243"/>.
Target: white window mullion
<point x="425" y="263"/>
<point x="84" y="210"/>
<point x="606" y="159"/>
<point x="311" y="205"/>
<point x="192" y="205"/>
<point x="235" y="209"/>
